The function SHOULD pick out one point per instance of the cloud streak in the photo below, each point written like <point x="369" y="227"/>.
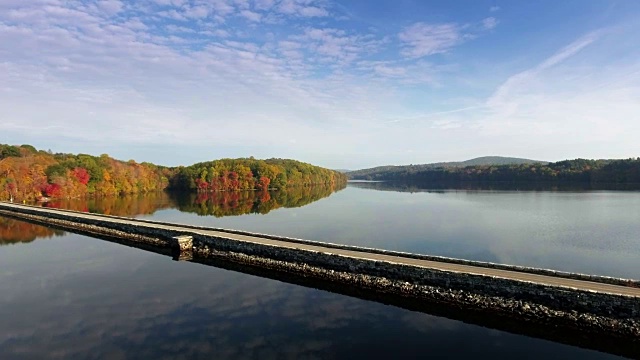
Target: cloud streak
<point x="422" y="39"/>
<point x="499" y="98"/>
<point x="425" y="39"/>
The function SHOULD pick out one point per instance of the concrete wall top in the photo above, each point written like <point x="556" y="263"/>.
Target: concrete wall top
<point x="524" y="269"/>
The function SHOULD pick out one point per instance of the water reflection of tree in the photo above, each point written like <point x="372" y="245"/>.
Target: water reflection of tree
<point x="230" y="203"/>
<point x="416" y="186"/>
<point x="226" y="203"/>
<point x="221" y="203"/>
<point x="132" y="205"/>
<point x="15" y="231"/>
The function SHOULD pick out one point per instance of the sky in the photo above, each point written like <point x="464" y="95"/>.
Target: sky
<point x="340" y="84"/>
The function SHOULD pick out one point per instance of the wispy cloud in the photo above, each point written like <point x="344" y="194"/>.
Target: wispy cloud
<point x="502" y="93"/>
<point x="304" y="8"/>
<point x="570" y="50"/>
<point x="489" y="23"/>
<point x="424" y="39"/>
<point x="436" y="115"/>
<point x="400" y="72"/>
<point x="250" y="15"/>
<point x="254" y="11"/>
<point x="335" y="45"/>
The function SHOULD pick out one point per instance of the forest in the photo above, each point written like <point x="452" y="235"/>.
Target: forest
<point x="584" y="171"/>
<point x="28" y="174"/>
<point x="249" y="173"/>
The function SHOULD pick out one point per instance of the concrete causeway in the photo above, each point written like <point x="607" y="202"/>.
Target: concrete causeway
<point x="355" y="252"/>
<point x="605" y="307"/>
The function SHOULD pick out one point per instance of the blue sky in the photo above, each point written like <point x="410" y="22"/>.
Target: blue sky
<point x="342" y="84"/>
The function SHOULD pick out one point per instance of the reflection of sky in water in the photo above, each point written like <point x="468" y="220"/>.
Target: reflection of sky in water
<point x="591" y="232"/>
<point x="77" y="297"/>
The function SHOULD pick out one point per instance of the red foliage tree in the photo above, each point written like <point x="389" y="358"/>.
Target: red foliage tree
<point x="53" y="190"/>
<point x="202" y="185"/>
<point x="263" y="184"/>
<point x="233" y="183"/>
<point x="82" y="175"/>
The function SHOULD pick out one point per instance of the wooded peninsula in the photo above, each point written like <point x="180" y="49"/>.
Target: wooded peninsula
<point x="30" y="174"/>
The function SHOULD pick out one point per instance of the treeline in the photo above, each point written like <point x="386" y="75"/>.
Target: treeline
<point x="252" y="174"/>
<point x="232" y="203"/>
<point x="567" y="171"/>
<point x="29" y="174"/>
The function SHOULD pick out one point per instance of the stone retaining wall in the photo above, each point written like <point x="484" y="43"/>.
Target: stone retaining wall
<point x="559" y="298"/>
<point x="88" y="227"/>
<point x="558" y="301"/>
<point x="525" y="312"/>
<point x="524" y="269"/>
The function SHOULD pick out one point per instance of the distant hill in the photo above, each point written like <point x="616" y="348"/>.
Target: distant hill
<point x="344" y="171"/>
<point x="621" y="173"/>
<point x="499" y="160"/>
<point x="390" y="171"/>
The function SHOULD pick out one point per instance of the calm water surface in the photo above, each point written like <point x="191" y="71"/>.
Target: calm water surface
<point x="64" y="295"/>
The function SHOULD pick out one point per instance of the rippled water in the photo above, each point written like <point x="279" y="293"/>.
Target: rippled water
<point x="64" y="295"/>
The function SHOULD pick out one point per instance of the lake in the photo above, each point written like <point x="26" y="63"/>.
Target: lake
<point x="64" y="295"/>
